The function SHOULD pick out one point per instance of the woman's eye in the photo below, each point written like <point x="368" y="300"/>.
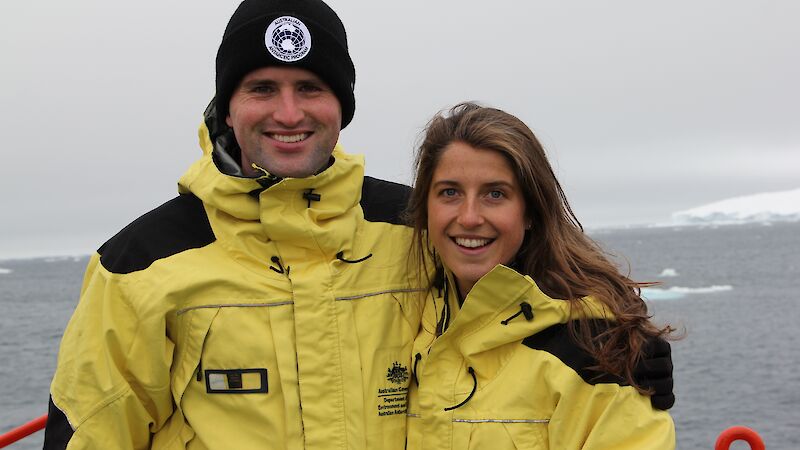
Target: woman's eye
<point x="496" y="194"/>
<point x="449" y="192"/>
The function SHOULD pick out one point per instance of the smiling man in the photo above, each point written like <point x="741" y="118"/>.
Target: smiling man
<point x="270" y="305"/>
<point x="286" y="121"/>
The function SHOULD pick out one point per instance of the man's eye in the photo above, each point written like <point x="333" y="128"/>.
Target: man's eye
<point x="310" y="88"/>
<point x="262" y="89"/>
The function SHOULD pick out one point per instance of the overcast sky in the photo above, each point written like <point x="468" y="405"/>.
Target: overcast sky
<point x="645" y="108"/>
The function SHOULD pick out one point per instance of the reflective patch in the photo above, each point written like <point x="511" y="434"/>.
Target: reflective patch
<point x="236" y="381"/>
<point x="216" y="381"/>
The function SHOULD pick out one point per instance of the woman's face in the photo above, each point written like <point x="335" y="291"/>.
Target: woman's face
<point x="476" y="212"/>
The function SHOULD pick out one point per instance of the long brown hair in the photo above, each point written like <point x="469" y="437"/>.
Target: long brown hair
<point x="556" y="253"/>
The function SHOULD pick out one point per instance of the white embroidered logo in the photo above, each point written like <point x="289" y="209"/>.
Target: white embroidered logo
<point x="288" y="39"/>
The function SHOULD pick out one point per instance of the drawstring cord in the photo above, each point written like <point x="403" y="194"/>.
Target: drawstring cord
<point x="474" y="388"/>
<point x="417" y="357"/>
<point x="340" y="257"/>
<point x="277" y="261"/>
<point x="525" y="309"/>
<point x="444" y="322"/>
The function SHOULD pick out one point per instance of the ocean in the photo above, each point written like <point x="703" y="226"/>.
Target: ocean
<point x="730" y="289"/>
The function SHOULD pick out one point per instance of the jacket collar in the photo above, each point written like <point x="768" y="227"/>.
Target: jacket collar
<point x="496" y="297"/>
<point x="316" y="212"/>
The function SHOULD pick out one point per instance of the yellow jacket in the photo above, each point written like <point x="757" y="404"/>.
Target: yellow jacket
<point x="531" y="388"/>
<point x="242" y="317"/>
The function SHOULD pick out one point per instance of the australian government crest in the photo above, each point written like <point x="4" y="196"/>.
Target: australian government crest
<point x="397" y="374"/>
<point x="392" y="399"/>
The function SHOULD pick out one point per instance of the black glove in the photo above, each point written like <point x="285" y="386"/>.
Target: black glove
<point x="654" y="372"/>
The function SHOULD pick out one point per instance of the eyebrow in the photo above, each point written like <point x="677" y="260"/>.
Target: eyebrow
<point x="272" y="82"/>
<point x="504" y="184"/>
<point x="258" y="82"/>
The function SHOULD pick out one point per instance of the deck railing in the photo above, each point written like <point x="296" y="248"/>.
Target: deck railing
<point x="22" y="431"/>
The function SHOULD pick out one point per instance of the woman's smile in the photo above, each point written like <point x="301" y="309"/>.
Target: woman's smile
<point x="476" y="212"/>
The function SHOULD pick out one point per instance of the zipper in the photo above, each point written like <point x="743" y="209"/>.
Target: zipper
<point x="199" y="376"/>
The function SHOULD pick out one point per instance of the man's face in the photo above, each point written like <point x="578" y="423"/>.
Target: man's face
<point x="286" y="120"/>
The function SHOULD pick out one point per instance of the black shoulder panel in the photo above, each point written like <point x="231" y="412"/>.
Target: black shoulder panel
<point x="178" y="225"/>
<point x="57" y="431"/>
<point x="384" y="201"/>
<point x="557" y="341"/>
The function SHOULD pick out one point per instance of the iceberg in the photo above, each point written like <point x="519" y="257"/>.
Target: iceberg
<point x="767" y="207"/>
<point x="668" y="272"/>
<point x="678" y="292"/>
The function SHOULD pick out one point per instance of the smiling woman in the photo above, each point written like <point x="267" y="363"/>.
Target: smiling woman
<point x="476" y="212"/>
<point x="531" y="336"/>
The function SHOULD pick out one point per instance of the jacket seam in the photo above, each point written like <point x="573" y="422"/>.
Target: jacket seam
<point x="99" y="406"/>
<point x="63" y="411"/>
<point x="291" y="302"/>
<point x="235" y="305"/>
<point x="372" y="294"/>
<point x="501" y="420"/>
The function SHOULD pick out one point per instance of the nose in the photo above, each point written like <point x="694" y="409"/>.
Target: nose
<point x="469" y="214"/>
<point x="288" y="111"/>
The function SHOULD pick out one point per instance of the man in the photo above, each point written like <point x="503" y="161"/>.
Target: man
<point x="269" y="305"/>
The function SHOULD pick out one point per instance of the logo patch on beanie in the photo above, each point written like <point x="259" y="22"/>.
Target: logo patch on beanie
<point x="287" y="39"/>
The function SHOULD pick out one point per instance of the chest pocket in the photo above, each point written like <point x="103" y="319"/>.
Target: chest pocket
<point x="230" y="376"/>
<point x="384" y="325"/>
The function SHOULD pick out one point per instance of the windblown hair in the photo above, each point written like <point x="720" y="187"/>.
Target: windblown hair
<point x="564" y="262"/>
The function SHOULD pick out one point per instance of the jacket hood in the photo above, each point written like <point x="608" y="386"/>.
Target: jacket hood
<point x="280" y="212"/>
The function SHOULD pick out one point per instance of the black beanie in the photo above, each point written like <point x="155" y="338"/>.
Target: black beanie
<point x="291" y="33"/>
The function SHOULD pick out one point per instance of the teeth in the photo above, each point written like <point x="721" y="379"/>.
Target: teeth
<point x="472" y="243"/>
<point x="289" y="139"/>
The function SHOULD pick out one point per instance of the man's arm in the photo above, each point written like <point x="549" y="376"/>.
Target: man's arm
<point x="111" y="387"/>
<point x="654" y="372"/>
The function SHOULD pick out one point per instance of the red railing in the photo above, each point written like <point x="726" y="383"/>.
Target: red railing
<point x="22" y="431"/>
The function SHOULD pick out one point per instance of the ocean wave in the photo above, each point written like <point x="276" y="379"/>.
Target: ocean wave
<point x="56" y="259"/>
<point x="677" y="292"/>
<point x="5" y="271"/>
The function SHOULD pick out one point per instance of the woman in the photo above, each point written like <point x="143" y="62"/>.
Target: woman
<point x="532" y="335"/>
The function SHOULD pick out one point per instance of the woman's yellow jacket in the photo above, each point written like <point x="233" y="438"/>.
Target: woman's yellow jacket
<point x="247" y="315"/>
<point x="507" y="376"/>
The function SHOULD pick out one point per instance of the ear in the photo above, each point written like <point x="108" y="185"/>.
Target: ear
<point x="228" y="121"/>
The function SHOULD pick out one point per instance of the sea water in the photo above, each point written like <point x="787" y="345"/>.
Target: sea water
<point x="732" y="290"/>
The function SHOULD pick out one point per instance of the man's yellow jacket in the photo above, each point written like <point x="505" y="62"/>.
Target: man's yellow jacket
<point x="246" y="314"/>
<point x="504" y="373"/>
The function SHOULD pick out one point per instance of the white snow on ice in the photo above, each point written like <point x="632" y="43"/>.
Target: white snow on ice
<point x="766" y="207"/>
<point x="677" y="292"/>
